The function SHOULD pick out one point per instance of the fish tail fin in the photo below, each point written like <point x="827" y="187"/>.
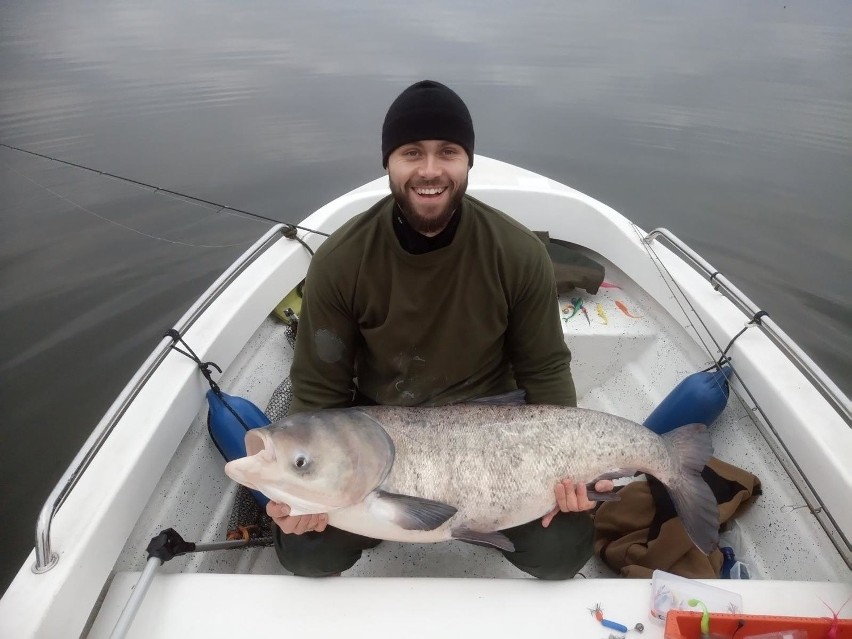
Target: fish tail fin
<point x="690" y="449"/>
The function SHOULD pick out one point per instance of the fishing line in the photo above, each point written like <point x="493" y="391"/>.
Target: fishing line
<point x="658" y="264"/>
<point x="755" y="320"/>
<point x="764" y="424"/>
<point x="118" y="224"/>
<point x="723" y="358"/>
<point x="160" y="190"/>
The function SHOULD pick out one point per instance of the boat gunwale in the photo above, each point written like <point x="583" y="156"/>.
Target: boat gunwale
<point x="45" y="558"/>
<point x="763" y="320"/>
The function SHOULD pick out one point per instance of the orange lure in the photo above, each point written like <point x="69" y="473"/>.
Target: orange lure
<point x="625" y="310"/>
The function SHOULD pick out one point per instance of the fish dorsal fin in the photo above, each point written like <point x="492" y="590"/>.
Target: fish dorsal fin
<point x="512" y="398"/>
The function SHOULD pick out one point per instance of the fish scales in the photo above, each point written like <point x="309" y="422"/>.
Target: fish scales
<point x="501" y="462"/>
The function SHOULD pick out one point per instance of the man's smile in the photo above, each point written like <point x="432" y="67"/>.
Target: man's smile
<point x="432" y="191"/>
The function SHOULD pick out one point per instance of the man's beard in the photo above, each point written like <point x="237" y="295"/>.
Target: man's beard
<point x="433" y="223"/>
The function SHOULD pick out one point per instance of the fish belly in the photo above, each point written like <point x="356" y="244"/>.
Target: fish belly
<point x="360" y="520"/>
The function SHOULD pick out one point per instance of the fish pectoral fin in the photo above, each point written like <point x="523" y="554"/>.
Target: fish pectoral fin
<point x="412" y="513"/>
<point x="494" y="538"/>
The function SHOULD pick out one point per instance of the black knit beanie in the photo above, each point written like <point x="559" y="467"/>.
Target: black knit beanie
<point x="427" y="110"/>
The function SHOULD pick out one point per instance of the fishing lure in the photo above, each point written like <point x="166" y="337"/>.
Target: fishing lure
<point x="573" y="308"/>
<point x="613" y="625"/>
<point x="597" y="612"/>
<point x="606" y="284"/>
<point x="705" y="616"/>
<point x="586" y="313"/>
<point x="624" y="309"/>
<point x="834" y="629"/>
<point x="664" y="600"/>
<point x="577" y="302"/>
<point x="602" y="314"/>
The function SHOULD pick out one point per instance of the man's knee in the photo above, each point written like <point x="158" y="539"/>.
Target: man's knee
<point x="556" y="552"/>
<point x="322" y="554"/>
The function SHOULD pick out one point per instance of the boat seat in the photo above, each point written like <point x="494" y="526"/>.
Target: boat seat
<point x="632" y="344"/>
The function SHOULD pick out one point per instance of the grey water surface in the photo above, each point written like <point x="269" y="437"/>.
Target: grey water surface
<point x="728" y="122"/>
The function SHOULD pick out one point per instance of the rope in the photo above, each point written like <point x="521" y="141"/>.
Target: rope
<point x="204" y="367"/>
<point x="290" y="234"/>
<point x="724" y="359"/>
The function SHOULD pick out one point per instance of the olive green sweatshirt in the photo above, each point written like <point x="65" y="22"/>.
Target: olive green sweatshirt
<point x="478" y="317"/>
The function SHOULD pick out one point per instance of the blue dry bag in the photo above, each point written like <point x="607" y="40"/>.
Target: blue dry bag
<point x="226" y="430"/>
<point x="699" y="399"/>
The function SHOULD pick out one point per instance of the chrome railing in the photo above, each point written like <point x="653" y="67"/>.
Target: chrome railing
<point x="823" y="383"/>
<point x="45" y="558"/>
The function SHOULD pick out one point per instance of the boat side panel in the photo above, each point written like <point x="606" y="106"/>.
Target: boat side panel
<point x="179" y="606"/>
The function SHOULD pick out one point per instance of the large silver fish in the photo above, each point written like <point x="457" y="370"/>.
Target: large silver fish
<point x="465" y="471"/>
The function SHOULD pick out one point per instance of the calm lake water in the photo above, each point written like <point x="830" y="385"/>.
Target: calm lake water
<point x="728" y="122"/>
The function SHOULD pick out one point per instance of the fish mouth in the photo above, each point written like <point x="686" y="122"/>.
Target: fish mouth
<point x="255" y="442"/>
<point x="234" y="470"/>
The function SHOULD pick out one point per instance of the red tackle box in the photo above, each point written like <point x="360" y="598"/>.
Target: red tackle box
<point x="682" y="624"/>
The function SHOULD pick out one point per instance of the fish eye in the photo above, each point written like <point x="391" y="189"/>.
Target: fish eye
<point x="300" y="462"/>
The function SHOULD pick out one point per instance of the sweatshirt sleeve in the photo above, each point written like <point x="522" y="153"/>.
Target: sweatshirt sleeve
<point x="324" y="362"/>
<point x="541" y="361"/>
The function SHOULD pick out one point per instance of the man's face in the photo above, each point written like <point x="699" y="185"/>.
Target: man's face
<point x="428" y="179"/>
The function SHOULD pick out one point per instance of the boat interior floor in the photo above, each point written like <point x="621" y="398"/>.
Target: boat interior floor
<point x="628" y="354"/>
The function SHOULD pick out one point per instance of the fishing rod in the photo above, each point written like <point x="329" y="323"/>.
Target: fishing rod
<point x="159" y="189"/>
<point x="162" y="548"/>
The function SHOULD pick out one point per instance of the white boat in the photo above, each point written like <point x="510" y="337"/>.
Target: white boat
<point x="150" y="463"/>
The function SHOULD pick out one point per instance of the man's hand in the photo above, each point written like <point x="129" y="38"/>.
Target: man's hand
<point x="296" y="525"/>
<point x="573" y="499"/>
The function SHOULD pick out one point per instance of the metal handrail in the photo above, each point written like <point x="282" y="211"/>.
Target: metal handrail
<point x="45" y="559"/>
<point x="824" y="384"/>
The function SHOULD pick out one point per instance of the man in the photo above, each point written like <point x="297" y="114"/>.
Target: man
<point x="428" y="298"/>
